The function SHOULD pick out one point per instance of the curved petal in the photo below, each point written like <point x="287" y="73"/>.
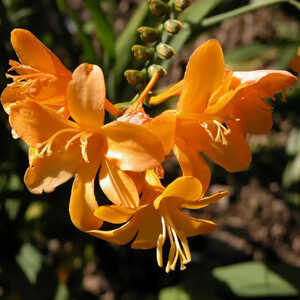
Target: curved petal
<point x="117" y="185"/>
<point x="49" y="171"/>
<point x="269" y="82"/>
<point x="133" y="147"/>
<point x="192" y="163"/>
<point x="33" y="52"/>
<point x="187" y="225"/>
<point x="204" y="73"/>
<point x="119" y="236"/>
<point x="149" y="229"/>
<point x="83" y="202"/>
<point x="86" y="96"/>
<point x="174" y="90"/>
<point x="164" y="127"/>
<point x="31" y="122"/>
<point x="205" y="201"/>
<point x="234" y="156"/>
<point x="114" y="214"/>
<point x="185" y="188"/>
<point x="255" y="114"/>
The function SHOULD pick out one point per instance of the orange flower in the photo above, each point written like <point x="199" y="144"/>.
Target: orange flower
<point x="159" y="215"/>
<point x="295" y="62"/>
<point x="41" y="75"/>
<point x="217" y="107"/>
<point x="61" y="148"/>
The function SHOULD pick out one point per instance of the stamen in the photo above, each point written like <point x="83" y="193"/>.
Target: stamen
<point x="46" y="146"/>
<point x="178" y="248"/>
<point x="83" y="145"/>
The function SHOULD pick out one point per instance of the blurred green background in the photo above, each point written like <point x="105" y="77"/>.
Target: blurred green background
<point x="254" y="254"/>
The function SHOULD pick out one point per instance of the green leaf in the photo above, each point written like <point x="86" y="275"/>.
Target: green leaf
<point x="291" y="173"/>
<point x="104" y="30"/>
<point x="12" y="207"/>
<point x="254" y="279"/>
<point x="30" y="261"/>
<point x="89" y="54"/>
<point x="127" y="39"/>
<point x="197" y="11"/>
<point x="293" y="142"/>
<point x="173" y="293"/>
<point x="62" y="292"/>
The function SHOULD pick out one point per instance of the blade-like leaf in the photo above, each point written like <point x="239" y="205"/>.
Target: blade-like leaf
<point x="30" y="260"/>
<point x="254" y="279"/>
<point x="127" y="39"/>
<point x="89" y="54"/>
<point x="104" y="30"/>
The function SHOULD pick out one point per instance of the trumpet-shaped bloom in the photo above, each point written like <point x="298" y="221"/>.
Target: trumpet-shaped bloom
<point x="41" y="75"/>
<point x="159" y="216"/>
<point x="61" y="148"/>
<point x="217" y="107"/>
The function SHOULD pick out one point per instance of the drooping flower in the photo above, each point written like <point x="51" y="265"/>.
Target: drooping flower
<point x="295" y="62"/>
<point x="217" y="107"/>
<point x="61" y="148"/>
<point x="159" y="215"/>
<point x="41" y="76"/>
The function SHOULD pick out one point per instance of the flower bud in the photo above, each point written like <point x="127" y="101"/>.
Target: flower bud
<point x="157" y="68"/>
<point x="173" y="26"/>
<point x="148" y="34"/>
<point x="142" y="53"/>
<point x="164" y="51"/>
<point x="135" y="77"/>
<point x="181" y="5"/>
<point x="158" y="7"/>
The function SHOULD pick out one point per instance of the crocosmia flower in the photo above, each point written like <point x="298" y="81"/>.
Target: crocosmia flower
<point x="40" y="77"/>
<point x="159" y="215"/>
<point x="218" y="107"/>
<point x="62" y="148"/>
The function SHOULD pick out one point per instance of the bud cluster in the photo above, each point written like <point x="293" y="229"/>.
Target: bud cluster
<point x="155" y="46"/>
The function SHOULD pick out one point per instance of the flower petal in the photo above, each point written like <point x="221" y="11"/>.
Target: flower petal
<point x="192" y="163"/>
<point x="117" y="185"/>
<point x="34" y="53"/>
<point x="119" y="236"/>
<point x="187" y="225"/>
<point x="205" y="201"/>
<point x="49" y="171"/>
<point x="114" y="214"/>
<point x="83" y="202"/>
<point x="32" y="121"/>
<point x="133" y="147"/>
<point x="174" y="90"/>
<point x="295" y="62"/>
<point x="255" y="114"/>
<point x="185" y="188"/>
<point x="149" y="229"/>
<point x="204" y="74"/>
<point x="164" y="127"/>
<point x="86" y="96"/>
<point x="269" y="82"/>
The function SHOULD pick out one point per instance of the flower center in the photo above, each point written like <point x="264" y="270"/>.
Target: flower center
<point x="222" y="132"/>
<point x="45" y="148"/>
<point x="179" y="248"/>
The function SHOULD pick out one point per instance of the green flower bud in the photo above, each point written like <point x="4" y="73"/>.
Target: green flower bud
<point x="157" y="68"/>
<point x="173" y="26"/>
<point x="135" y="77"/>
<point x="164" y="51"/>
<point x="181" y="5"/>
<point x="158" y="7"/>
<point x="142" y="53"/>
<point x="148" y="34"/>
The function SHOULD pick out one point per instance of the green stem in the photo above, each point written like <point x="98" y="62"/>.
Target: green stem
<point x="245" y="9"/>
